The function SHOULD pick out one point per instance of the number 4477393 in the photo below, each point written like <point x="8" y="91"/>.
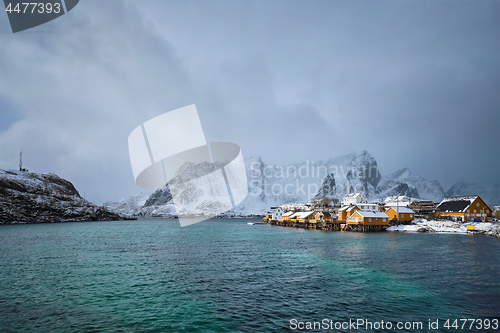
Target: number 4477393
<point x="470" y="324"/>
<point x="30" y="7"/>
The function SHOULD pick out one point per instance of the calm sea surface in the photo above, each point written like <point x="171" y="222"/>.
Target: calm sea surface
<point x="223" y="275"/>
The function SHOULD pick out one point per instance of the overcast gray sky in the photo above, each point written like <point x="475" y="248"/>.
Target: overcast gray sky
<point x="415" y="83"/>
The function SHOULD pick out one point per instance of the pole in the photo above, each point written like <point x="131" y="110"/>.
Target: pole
<point x="21" y="161"/>
<point x="397" y="208"/>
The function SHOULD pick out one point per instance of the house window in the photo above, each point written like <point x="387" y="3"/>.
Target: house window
<point x="468" y="210"/>
<point x="474" y="210"/>
<point x="370" y="219"/>
<point x="487" y="211"/>
<point x="477" y="204"/>
<point x="411" y="215"/>
<point x="402" y="215"/>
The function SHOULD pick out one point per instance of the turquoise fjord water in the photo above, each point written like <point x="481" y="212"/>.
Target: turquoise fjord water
<point x="223" y="275"/>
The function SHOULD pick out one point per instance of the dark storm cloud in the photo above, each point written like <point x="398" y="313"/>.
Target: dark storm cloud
<point x="416" y="83"/>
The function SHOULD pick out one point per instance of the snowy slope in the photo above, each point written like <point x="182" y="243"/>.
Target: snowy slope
<point x="490" y="193"/>
<point x="403" y="182"/>
<point x="28" y="197"/>
<point x="128" y="206"/>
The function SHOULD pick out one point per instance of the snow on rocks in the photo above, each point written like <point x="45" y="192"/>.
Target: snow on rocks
<point x="27" y="197"/>
<point x="486" y="228"/>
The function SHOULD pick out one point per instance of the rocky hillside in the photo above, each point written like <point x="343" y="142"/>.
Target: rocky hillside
<point x="27" y="197"/>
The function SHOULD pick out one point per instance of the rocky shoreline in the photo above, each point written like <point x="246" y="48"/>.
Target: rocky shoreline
<point x="481" y="228"/>
<point x="27" y="197"/>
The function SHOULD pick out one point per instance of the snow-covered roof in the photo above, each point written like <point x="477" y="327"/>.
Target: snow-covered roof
<point x="401" y="210"/>
<point x="303" y="215"/>
<point x="343" y="208"/>
<point x="372" y="214"/>
<point x="352" y="207"/>
<point x="469" y="198"/>
<point x="397" y="198"/>
<point x="288" y="213"/>
<point x="397" y="203"/>
<point x="295" y="214"/>
<point x="455" y="204"/>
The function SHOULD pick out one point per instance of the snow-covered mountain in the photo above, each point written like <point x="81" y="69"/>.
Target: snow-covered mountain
<point x="129" y="206"/>
<point x="29" y="197"/>
<point x="403" y="182"/>
<point x="490" y="193"/>
<point x="274" y="185"/>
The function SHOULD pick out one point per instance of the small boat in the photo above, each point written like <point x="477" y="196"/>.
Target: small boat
<point x="252" y="223"/>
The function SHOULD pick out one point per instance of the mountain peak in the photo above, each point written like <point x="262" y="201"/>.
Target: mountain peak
<point x="400" y="174"/>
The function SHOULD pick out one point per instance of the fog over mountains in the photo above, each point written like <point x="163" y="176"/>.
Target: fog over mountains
<point x="272" y="185"/>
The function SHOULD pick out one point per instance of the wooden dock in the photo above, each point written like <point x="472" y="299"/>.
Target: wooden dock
<point x="325" y="225"/>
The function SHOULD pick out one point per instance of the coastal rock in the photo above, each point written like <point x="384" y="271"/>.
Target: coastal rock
<point x="27" y="197"/>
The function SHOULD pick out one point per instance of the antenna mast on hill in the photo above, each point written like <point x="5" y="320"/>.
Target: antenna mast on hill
<point x="21" y="161"/>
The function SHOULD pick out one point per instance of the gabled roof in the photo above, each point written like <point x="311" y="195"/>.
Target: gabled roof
<point x="324" y="213"/>
<point x="343" y="208"/>
<point x="352" y="207"/>
<point x="455" y="204"/>
<point x="401" y="210"/>
<point x="288" y="213"/>
<point x="372" y="214"/>
<point x="303" y="215"/>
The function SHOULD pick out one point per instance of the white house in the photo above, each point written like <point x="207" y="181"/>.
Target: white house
<point x="276" y="213"/>
<point x="372" y="207"/>
<point x="353" y="198"/>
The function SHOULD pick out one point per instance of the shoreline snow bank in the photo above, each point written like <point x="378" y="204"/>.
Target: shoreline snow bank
<point x="486" y="228"/>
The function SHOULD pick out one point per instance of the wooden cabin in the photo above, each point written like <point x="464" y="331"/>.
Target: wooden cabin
<point x="400" y="214"/>
<point x="286" y="216"/>
<point x="345" y="212"/>
<point x="305" y="217"/>
<point x="464" y="208"/>
<point x="267" y="218"/>
<point x="368" y="218"/>
<point x="323" y="217"/>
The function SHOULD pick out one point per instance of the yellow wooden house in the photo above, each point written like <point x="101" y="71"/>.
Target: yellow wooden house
<point x="401" y="214"/>
<point x="368" y="218"/>
<point x="286" y="216"/>
<point x="324" y="217"/>
<point x="305" y="217"/>
<point x="345" y="212"/>
<point x="465" y="208"/>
